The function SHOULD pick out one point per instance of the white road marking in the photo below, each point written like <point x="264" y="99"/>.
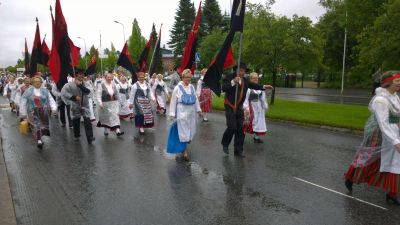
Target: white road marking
<point x="339" y="193"/>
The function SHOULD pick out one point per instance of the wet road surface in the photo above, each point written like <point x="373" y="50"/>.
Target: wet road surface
<point x="131" y="180"/>
<point x="350" y="96"/>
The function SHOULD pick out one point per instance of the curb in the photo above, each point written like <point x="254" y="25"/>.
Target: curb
<point x="7" y="211"/>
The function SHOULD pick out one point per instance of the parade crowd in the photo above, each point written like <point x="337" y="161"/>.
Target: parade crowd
<point x="105" y="99"/>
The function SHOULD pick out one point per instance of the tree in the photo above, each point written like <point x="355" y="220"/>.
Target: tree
<point x="304" y="46"/>
<point x="211" y="16"/>
<point x="136" y="41"/>
<point x="380" y="44"/>
<point x="112" y="58"/>
<point x="182" y="26"/>
<point x="266" y="41"/>
<point x="210" y="46"/>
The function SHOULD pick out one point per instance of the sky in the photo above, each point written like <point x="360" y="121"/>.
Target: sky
<point x="90" y="18"/>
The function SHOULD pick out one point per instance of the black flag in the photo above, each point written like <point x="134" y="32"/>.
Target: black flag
<point x="125" y="60"/>
<point x="237" y="15"/>
<point x="214" y="72"/>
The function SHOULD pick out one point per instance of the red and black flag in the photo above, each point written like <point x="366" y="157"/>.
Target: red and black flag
<point x="36" y="55"/>
<point x="237" y="15"/>
<point x="75" y="53"/>
<point x="45" y="52"/>
<point x="26" y="59"/>
<point x="144" y="55"/>
<point x="60" y="62"/>
<point x="92" y="64"/>
<point x="125" y="60"/>
<point x="223" y="60"/>
<point x="156" y="53"/>
<point x="189" y="52"/>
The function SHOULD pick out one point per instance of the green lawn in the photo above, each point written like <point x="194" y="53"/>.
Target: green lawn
<point x="335" y="115"/>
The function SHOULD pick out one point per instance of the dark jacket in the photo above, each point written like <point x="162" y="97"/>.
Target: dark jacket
<point x="242" y="90"/>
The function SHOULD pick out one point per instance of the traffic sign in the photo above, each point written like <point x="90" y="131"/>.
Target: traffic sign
<point x="197" y="57"/>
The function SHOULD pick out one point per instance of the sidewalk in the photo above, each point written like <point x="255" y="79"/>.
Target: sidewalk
<point x="7" y="214"/>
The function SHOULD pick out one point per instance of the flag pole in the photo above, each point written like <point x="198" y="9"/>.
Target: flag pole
<point x="238" y="69"/>
<point x="154" y="51"/>
<point x="101" y="59"/>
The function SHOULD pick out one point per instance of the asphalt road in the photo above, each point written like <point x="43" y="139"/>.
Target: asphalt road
<point x="295" y="177"/>
<point x="349" y="96"/>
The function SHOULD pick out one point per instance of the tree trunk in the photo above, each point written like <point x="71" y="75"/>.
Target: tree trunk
<point x="302" y="80"/>
<point x="272" y="101"/>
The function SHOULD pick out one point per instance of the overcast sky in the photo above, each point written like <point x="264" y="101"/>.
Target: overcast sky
<point x="89" y="18"/>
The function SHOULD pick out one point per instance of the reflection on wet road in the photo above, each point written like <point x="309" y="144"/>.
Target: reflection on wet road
<point x="131" y="180"/>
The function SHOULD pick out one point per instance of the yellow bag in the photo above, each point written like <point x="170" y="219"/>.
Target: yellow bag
<point x="23" y="127"/>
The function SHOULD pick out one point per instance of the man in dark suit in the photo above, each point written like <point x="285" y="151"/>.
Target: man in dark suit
<point x="234" y="110"/>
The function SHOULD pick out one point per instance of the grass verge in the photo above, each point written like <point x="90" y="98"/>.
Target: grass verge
<point x="322" y="114"/>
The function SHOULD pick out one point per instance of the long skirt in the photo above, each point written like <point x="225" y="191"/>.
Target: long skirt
<point x="125" y="111"/>
<point x="205" y="100"/>
<point x="174" y="145"/>
<point x="365" y="167"/>
<point x="161" y="101"/>
<point x="144" y="119"/>
<point x="38" y="119"/>
<point x="108" y="115"/>
<point x="255" y="124"/>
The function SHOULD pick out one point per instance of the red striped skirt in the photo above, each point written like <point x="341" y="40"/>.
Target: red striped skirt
<point x="205" y="100"/>
<point x="372" y="176"/>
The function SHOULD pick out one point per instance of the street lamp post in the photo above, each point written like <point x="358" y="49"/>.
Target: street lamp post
<point x="84" y="42"/>
<point x="123" y="29"/>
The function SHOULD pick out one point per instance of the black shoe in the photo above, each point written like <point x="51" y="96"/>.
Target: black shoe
<point x="393" y="199"/>
<point x="226" y="150"/>
<point x="349" y="185"/>
<point x="120" y="133"/>
<point x="106" y="133"/>
<point x="70" y="126"/>
<point x="91" y="139"/>
<point x="239" y="155"/>
<point x="257" y="140"/>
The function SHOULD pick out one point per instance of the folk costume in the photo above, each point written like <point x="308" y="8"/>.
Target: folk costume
<point x="10" y="91"/>
<point x="108" y="100"/>
<point x="160" y="91"/>
<point x="184" y="106"/>
<point x="140" y="98"/>
<point x="204" y="94"/>
<point x="377" y="161"/>
<point x="234" y="112"/>
<point x="36" y="105"/>
<point x="255" y="103"/>
<point x="124" y="110"/>
<point x="79" y="108"/>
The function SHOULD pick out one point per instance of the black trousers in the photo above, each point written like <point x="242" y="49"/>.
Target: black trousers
<point x="76" y="122"/>
<point x="234" y="123"/>
<point x="61" y="108"/>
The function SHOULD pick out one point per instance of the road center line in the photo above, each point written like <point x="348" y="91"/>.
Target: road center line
<point x="339" y="193"/>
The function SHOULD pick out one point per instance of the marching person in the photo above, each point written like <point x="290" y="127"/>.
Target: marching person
<point x="152" y="80"/>
<point x="75" y="94"/>
<point x="175" y="78"/>
<point x="36" y="106"/>
<point x="234" y="110"/>
<point x="204" y="95"/>
<point x="63" y="108"/>
<point x="377" y="161"/>
<point x="255" y="105"/>
<point x="140" y="101"/>
<point x="108" y="101"/>
<point x="20" y="91"/>
<point x="183" y="107"/>
<point x="160" y="91"/>
<point x="123" y="89"/>
<point x="10" y="91"/>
